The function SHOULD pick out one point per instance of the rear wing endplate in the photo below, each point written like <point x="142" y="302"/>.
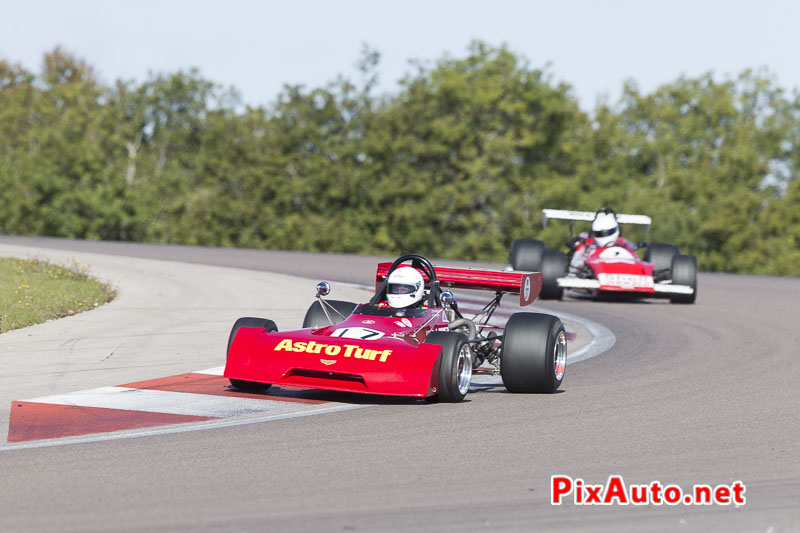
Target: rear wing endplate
<point x="527" y="284"/>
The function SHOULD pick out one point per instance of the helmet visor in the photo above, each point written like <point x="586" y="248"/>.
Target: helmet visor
<point x="402" y="288"/>
<point x="604" y="232"/>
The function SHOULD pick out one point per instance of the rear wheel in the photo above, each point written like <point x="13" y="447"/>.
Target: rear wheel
<point x="684" y="272"/>
<point x="534" y="353"/>
<point x="526" y="254"/>
<point x="455" y="370"/>
<point x="660" y="255"/>
<point x="316" y="317"/>
<point x="554" y="266"/>
<point x="250" y="322"/>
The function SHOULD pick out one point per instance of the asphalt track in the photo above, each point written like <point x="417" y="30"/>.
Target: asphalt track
<point x="688" y="394"/>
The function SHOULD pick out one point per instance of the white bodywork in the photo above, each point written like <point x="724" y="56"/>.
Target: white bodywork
<point x="617" y="254"/>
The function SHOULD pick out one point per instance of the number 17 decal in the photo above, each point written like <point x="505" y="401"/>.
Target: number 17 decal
<point x="365" y="334"/>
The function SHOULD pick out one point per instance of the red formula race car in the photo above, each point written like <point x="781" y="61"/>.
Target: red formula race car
<point x="601" y="262"/>
<point x="427" y="350"/>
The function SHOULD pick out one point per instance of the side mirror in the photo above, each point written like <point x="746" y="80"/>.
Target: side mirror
<point x="323" y="288"/>
<point x="447" y="299"/>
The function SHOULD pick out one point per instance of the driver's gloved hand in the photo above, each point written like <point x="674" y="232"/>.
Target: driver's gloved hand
<point x="573" y="241"/>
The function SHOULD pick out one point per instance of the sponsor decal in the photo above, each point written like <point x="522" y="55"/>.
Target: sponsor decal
<point x="526" y="290"/>
<point x="368" y="321"/>
<point x="404" y="323"/>
<point x="346" y="350"/>
<point x="365" y="334"/>
<point x="626" y="281"/>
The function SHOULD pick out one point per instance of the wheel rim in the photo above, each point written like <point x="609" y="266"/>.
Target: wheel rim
<point x="464" y="369"/>
<point x="560" y="356"/>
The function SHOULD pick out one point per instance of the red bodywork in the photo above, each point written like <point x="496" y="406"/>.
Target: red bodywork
<point x="365" y="352"/>
<point x="618" y="268"/>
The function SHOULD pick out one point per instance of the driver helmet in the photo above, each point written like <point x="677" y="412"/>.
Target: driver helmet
<point x="405" y="287"/>
<point x="605" y="229"/>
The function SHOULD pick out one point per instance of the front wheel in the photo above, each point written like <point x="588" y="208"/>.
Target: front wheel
<point x="526" y="254"/>
<point x="684" y="272"/>
<point x="660" y="255"/>
<point x="554" y="266"/>
<point x="455" y="370"/>
<point x="534" y="353"/>
<point x="250" y="322"/>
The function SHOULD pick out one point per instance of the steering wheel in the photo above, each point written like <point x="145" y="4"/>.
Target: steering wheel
<point x="419" y="262"/>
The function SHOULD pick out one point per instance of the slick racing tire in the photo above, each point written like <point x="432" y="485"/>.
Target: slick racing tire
<point x="660" y="255"/>
<point x="684" y="272"/>
<point x="250" y="322"/>
<point x="554" y="266"/>
<point x="455" y="371"/>
<point x="526" y="254"/>
<point x="316" y="317"/>
<point x="534" y="355"/>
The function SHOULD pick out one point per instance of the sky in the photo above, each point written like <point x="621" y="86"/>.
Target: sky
<point x="258" y="46"/>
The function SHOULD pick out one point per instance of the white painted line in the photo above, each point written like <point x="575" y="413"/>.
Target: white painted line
<point x="602" y="337"/>
<point x="159" y="401"/>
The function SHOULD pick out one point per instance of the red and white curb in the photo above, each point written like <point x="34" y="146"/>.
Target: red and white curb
<point x="186" y="398"/>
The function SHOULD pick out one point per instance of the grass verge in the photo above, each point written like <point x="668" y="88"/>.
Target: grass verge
<point x="33" y="291"/>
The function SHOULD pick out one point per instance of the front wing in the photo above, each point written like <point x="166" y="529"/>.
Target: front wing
<point x="302" y="359"/>
<point x="624" y="285"/>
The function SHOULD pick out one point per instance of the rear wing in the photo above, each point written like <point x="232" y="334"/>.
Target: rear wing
<point x="527" y="284"/>
<point x="588" y="216"/>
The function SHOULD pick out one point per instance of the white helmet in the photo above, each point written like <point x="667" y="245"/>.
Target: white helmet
<point x="605" y="229"/>
<point x="404" y="288"/>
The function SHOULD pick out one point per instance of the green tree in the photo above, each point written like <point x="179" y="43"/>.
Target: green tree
<point x="458" y="162"/>
<point x="467" y="154"/>
<point x="697" y="156"/>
